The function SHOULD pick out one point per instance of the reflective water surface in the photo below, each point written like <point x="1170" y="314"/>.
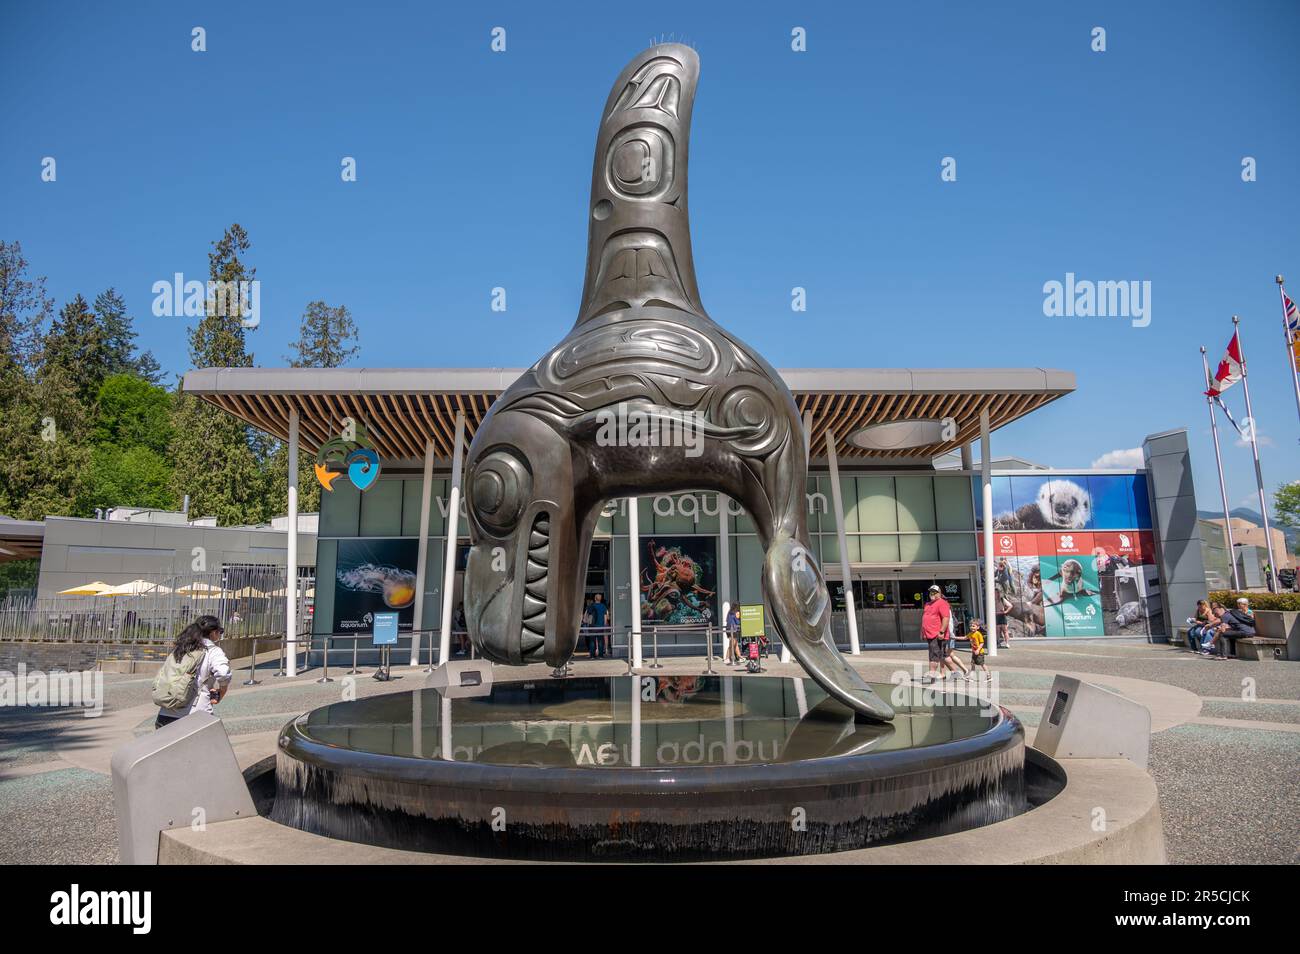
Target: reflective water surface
<point x="639" y="721"/>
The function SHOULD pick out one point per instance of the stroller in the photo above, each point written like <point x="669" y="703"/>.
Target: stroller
<point x="754" y="649"/>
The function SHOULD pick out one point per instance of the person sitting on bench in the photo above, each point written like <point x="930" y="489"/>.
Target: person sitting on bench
<point x="1238" y="622"/>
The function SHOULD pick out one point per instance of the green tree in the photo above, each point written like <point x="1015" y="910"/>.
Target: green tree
<point x="25" y="308"/>
<point x="1286" y="504"/>
<point x="119" y="334"/>
<point x="218" y="460"/>
<point x="327" y="337"/>
<point x="78" y="346"/>
<point x="133" y="413"/>
<point x="218" y="340"/>
<point x="125" y="477"/>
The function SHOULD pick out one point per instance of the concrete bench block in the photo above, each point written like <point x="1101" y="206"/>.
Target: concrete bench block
<point x="1083" y="721"/>
<point x="181" y="775"/>
<point x="1261" y="648"/>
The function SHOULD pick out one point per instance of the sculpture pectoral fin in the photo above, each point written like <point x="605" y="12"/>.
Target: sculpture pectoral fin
<point x="801" y="603"/>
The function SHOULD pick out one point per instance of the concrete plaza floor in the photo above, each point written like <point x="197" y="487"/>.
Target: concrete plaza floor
<point x="1225" y="747"/>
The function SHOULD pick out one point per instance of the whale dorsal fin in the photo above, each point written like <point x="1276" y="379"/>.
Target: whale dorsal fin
<point x="639" y="242"/>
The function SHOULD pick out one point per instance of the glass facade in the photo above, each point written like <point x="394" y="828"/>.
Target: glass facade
<point x="902" y="531"/>
<point x="894" y="521"/>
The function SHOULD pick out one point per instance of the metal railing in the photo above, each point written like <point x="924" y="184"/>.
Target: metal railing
<point x="249" y="600"/>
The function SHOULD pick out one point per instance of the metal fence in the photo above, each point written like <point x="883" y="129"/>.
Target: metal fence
<point x="249" y="600"/>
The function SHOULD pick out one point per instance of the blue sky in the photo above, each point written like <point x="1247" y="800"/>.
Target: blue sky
<point x="818" y="169"/>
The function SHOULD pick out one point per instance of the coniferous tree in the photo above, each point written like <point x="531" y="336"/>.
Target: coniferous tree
<point x="119" y="333"/>
<point x="327" y="337"/>
<point x="218" y="460"/>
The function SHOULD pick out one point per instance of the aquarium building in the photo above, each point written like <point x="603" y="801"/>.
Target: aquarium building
<point x="1084" y="553"/>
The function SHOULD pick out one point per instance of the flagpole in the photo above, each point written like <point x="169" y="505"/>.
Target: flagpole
<point x="1254" y="447"/>
<point x="1223" y="487"/>
<point x="1290" y="343"/>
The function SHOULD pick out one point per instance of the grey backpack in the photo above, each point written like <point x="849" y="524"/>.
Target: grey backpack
<point x="177" y="682"/>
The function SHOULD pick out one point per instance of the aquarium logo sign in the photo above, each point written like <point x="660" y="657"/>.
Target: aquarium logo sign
<point x="351" y="453"/>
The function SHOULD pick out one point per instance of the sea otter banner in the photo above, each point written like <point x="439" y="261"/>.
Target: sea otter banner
<point x="374" y="576"/>
<point x="1074" y="555"/>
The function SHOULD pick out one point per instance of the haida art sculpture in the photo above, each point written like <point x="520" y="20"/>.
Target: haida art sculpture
<point x="543" y="464"/>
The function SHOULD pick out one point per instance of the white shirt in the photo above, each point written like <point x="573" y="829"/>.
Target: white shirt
<point x="214" y="670"/>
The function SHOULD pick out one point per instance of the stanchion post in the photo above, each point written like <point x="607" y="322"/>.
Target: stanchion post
<point x="654" y="635"/>
<point x="252" y="667"/>
<point x="354" y="670"/>
<point x="325" y="676"/>
<point x="708" y="648"/>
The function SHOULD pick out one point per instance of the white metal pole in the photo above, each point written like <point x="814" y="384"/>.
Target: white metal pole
<point x="1290" y="343"/>
<point x="635" y="728"/>
<point x="448" y="751"/>
<point x="1218" y="461"/>
<point x="1254" y="448"/>
<point x="417" y="724"/>
<point x="453" y="530"/>
<point x="786" y="656"/>
<point x="634" y="572"/>
<point x="729" y="718"/>
<point x="422" y="553"/>
<point x="838" y="502"/>
<point x="291" y="555"/>
<point x="724" y="563"/>
<point x="986" y="486"/>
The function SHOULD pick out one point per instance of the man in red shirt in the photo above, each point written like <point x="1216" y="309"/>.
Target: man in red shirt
<point x="934" y="627"/>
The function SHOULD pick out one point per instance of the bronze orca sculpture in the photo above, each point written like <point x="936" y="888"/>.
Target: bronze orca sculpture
<point x="542" y="466"/>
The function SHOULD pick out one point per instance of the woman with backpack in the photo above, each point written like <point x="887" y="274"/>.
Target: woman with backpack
<point x="195" y="674"/>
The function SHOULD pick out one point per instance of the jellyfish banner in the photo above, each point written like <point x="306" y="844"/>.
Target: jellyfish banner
<point x="374" y="576"/>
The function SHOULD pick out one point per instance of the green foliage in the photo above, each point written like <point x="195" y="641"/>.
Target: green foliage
<point x="125" y="477"/>
<point x="1286" y="504"/>
<point x="85" y="426"/>
<point x="1287" y="602"/>
<point x="119" y="336"/>
<point x="214" y="462"/>
<point x="18" y="575"/>
<point x="218" y="340"/>
<point x="327" y="337"/>
<point x="24" y="309"/>
<point x="133" y="412"/>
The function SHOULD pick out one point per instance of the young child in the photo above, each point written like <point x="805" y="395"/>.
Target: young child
<point x="976" y="636"/>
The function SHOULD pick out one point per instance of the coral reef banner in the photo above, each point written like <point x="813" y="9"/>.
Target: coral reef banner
<point x="679" y="580"/>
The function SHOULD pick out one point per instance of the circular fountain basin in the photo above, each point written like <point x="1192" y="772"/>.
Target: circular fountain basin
<point x="646" y="768"/>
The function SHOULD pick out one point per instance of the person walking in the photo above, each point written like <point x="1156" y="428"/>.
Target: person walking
<point x="195" y="675"/>
<point x="935" y="620"/>
<point x="732" y="655"/>
<point x="599" y="613"/>
<point x="977" y="641"/>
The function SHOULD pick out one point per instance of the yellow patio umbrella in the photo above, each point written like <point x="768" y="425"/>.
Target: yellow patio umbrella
<point x="135" y="588"/>
<point x="201" y="589"/>
<point x="86" y="589"/>
<point x="249" y="592"/>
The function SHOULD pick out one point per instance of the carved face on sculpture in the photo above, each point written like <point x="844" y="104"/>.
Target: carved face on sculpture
<point x="543" y="463"/>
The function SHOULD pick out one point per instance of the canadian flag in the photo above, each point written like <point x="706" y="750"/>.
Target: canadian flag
<point x="1229" y="372"/>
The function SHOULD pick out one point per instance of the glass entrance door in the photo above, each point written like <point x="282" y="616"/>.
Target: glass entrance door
<point x="889" y="609"/>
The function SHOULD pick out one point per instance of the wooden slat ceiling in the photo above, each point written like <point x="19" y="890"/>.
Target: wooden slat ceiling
<point x="400" y="424"/>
